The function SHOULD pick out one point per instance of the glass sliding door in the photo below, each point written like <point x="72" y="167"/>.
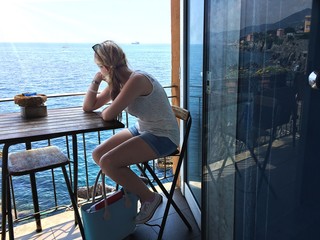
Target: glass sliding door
<point x="222" y="24"/>
<point x="194" y="11"/>
<point x="260" y="175"/>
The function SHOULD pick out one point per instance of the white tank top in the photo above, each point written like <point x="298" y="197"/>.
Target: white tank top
<point x="154" y="112"/>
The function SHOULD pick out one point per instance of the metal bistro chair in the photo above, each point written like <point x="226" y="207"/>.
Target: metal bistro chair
<point x="184" y="115"/>
<point x="30" y="162"/>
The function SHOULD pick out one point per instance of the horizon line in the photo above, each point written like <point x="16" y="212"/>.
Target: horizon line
<point x="132" y="43"/>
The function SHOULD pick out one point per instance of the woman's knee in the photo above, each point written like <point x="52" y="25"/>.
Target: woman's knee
<point x="107" y="164"/>
<point x="97" y="154"/>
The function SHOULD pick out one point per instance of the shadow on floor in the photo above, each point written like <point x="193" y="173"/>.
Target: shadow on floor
<point x="61" y="226"/>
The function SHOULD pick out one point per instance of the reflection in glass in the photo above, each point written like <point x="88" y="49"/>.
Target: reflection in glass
<point x="257" y="58"/>
<point x="194" y="97"/>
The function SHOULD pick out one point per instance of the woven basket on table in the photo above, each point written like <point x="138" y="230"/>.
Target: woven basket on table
<point x="30" y="101"/>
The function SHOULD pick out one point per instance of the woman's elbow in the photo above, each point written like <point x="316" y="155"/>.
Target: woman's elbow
<point x="87" y="108"/>
<point x="107" y="117"/>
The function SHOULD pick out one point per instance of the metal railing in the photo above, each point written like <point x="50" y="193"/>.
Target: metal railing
<point x="87" y="170"/>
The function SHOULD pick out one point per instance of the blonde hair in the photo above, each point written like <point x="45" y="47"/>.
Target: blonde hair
<point x="109" y="54"/>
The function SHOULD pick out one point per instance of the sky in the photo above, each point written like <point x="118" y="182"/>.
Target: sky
<point x="272" y="11"/>
<point x="237" y="14"/>
<point x="87" y="21"/>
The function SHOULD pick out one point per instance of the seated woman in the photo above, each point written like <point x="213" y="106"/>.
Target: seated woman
<point x="154" y="135"/>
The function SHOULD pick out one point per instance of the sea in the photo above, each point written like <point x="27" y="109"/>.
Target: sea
<point x="61" y="68"/>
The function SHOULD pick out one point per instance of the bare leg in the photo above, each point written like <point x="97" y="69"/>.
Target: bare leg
<point x="109" y="144"/>
<point x="119" y="152"/>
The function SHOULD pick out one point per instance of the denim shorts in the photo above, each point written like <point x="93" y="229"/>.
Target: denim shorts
<point x="162" y="146"/>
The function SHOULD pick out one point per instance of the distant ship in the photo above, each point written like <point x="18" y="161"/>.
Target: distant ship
<point x="135" y="43"/>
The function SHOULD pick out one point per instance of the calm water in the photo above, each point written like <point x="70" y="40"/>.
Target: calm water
<point x="64" y="68"/>
<point x="67" y="68"/>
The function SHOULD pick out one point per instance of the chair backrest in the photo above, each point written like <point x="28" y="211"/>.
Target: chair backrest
<point x="268" y="110"/>
<point x="181" y="113"/>
<point x="265" y="109"/>
<point x="184" y="115"/>
<point x="285" y="103"/>
<point x="274" y="108"/>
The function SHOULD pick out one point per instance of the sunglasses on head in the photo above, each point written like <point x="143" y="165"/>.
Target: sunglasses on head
<point x="95" y="49"/>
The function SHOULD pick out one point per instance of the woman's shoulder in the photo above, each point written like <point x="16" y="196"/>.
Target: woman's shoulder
<point x="148" y="76"/>
<point x="142" y="76"/>
<point x="140" y="82"/>
<point x="143" y="73"/>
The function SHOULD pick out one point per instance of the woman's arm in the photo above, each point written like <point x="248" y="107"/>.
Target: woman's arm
<point x="137" y="85"/>
<point x="93" y="100"/>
